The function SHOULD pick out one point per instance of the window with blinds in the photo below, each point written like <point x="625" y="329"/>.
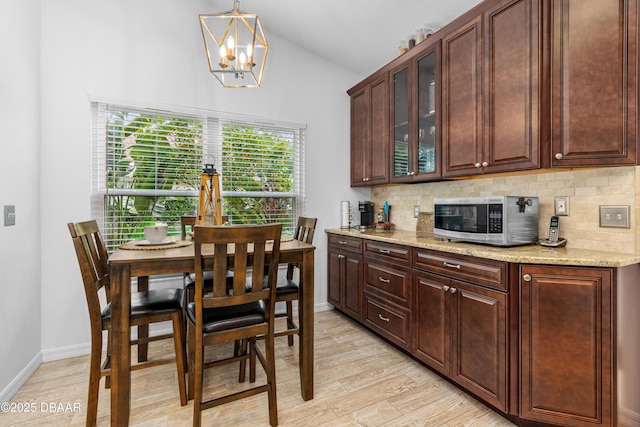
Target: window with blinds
<point x="146" y="167"/>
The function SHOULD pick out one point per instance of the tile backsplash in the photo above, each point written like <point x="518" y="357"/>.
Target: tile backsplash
<point x="587" y="190"/>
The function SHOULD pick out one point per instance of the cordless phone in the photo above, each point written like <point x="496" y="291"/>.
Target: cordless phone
<point x="554" y="240"/>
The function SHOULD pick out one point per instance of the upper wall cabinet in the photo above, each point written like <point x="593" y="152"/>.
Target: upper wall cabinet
<point x="369" y="133"/>
<point x="593" y="82"/>
<point x="415" y="145"/>
<point x="491" y="91"/>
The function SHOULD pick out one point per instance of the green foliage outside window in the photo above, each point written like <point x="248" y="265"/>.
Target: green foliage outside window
<point x="149" y="155"/>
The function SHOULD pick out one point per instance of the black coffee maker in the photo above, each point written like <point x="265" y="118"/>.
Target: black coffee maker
<point x="367" y="214"/>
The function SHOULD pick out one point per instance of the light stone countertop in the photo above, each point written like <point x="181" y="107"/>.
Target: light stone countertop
<point x="529" y="254"/>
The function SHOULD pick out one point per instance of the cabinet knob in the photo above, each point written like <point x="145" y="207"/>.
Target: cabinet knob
<point x="477" y="165"/>
<point x="412" y="173"/>
<point x="485" y="164"/>
<point x="526" y="278"/>
<point x="445" y="288"/>
<point x="558" y="156"/>
<point x="453" y="290"/>
<point x="340" y="256"/>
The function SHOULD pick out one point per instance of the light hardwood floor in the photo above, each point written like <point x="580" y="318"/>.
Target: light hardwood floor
<point x="360" y="380"/>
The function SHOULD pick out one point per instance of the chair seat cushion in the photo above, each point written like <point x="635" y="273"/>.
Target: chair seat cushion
<point x="155" y="301"/>
<point x="225" y="318"/>
<point x="286" y="287"/>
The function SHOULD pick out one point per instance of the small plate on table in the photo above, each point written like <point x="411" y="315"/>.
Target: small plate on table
<point x="167" y="241"/>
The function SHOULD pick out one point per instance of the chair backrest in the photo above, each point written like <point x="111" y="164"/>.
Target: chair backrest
<point x="304" y="232"/>
<point x="93" y="261"/>
<point x="249" y="244"/>
<point x="186" y="221"/>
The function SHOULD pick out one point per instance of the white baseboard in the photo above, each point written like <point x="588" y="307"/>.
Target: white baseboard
<point x="66" y="352"/>
<point x="628" y="418"/>
<point x="24" y="375"/>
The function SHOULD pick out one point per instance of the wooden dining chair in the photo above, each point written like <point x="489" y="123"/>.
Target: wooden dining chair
<point x="186" y="225"/>
<point x="243" y="314"/>
<point x="146" y="308"/>
<point x="287" y="289"/>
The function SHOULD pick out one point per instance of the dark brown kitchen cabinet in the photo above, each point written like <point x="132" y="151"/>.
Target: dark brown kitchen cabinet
<point x="492" y="91"/>
<point x="387" y="291"/>
<point x="460" y="321"/>
<point x="370" y="133"/>
<point x="415" y="147"/>
<point x="594" y="92"/>
<point x="512" y="62"/>
<point x="461" y="331"/>
<point x="567" y="351"/>
<point x="462" y="124"/>
<point x="345" y="274"/>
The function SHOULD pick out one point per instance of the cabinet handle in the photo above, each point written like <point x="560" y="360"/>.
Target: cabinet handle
<point x="559" y="156"/>
<point x="453" y="290"/>
<point x="342" y="242"/>
<point x="446" y="264"/>
<point x="485" y="164"/>
<point x="383" y="280"/>
<point x="385" y="251"/>
<point x="477" y="165"/>
<point x="386" y="319"/>
<point x="526" y="278"/>
<point x="445" y="288"/>
<point x="340" y="256"/>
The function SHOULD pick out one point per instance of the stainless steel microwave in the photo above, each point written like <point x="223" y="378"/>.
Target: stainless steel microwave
<point x="494" y="220"/>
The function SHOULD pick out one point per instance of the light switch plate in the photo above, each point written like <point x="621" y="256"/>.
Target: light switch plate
<point x="9" y="215"/>
<point x="416" y="211"/>
<point x="614" y="216"/>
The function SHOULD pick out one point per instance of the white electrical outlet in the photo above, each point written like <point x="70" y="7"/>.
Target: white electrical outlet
<point x="562" y="205"/>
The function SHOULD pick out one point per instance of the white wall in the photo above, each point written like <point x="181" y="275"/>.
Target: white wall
<point x="20" y="317"/>
<point x="146" y="51"/>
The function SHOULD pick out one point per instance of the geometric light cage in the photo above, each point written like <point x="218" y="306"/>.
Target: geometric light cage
<point x="236" y="47"/>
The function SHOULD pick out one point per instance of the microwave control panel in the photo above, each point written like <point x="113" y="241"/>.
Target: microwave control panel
<point x="495" y="218"/>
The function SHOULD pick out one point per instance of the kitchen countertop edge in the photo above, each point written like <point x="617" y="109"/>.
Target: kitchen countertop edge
<point x="528" y="254"/>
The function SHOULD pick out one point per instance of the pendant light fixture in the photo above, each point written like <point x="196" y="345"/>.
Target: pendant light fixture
<point x="236" y="47"/>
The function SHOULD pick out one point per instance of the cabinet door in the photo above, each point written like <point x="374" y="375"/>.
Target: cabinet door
<point x="566" y="348"/>
<point x="353" y="284"/>
<point x="479" y="342"/>
<point x="432" y="314"/>
<point x="593" y="82"/>
<point x="369" y="133"/>
<point x="512" y="63"/>
<point x="402" y="138"/>
<point x="462" y="101"/>
<point x="379" y="133"/>
<point x="335" y="273"/>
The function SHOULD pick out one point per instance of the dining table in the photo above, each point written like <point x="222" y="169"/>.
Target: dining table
<point x="124" y="264"/>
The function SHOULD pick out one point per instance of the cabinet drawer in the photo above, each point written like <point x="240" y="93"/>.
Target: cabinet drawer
<point x="389" y="321"/>
<point x="397" y="253"/>
<point x="390" y="281"/>
<point x="350" y="243"/>
<point x="476" y="270"/>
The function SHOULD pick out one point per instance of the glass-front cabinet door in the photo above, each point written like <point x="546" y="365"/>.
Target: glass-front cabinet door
<point x="401" y="129"/>
<point x="415" y="155"/>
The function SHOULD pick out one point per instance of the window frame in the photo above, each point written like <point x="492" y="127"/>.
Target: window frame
<point x="213" y="138"/>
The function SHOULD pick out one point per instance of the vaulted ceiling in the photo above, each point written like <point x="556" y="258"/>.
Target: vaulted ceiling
<point x="362" y="35"/>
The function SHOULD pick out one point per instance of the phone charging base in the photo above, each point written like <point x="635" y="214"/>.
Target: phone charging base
<point x="560" y="243"/>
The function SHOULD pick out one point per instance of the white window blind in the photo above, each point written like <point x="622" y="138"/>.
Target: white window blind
<point x="146" y="166"/>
